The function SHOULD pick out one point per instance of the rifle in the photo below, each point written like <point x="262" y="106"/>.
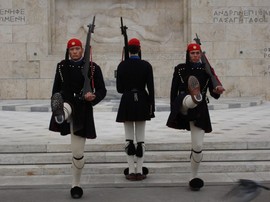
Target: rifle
<point x="124" y="33"/>
<point x="85" y="71"/>
<point x="209" y="70"/>
<point x="125" y="48"/>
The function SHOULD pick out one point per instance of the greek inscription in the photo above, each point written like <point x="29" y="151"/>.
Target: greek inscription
<point x="266" y="53"/>
<point x="266" y="71"/>
<point x="12" y="16"/>
<point x="238" y="15"/>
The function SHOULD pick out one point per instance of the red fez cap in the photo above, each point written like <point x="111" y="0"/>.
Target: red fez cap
<point x="74" y="42"/>
<point x="193" y="46"/>
<point x="134" y="42"/>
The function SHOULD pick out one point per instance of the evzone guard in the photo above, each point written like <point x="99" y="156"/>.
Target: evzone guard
<point x="189" y="110"/>
<point x="136" y="84"/>
<point x="72" y="110"/>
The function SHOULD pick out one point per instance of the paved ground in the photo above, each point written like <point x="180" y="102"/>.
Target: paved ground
<point x="216" y="193"/>
<point x="237" y="120"/>
<point x="241" y="122"/>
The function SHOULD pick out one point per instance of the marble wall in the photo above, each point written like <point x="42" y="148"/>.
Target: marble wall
<point x="235" y="36"/>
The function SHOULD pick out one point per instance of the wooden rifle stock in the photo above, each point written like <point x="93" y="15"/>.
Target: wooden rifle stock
<point x="209" y="70"/>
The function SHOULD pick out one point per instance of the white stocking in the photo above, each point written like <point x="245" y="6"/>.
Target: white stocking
<point x="140" y="136"/>
<point x="129" y="133"/>
<point x="67" y="112"/>
<point x="187" y="104"/>
<point x="197" y="135"/>
<point x="77" y="148"/>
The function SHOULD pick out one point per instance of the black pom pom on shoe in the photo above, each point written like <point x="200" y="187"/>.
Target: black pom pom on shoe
<point x="196" y="184"/>
<point x="145" y="171"/>
<point x="76" y="192"/>
<point x="126" y="171"/>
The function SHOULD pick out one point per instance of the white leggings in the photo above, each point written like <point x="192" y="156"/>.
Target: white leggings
<point x="197" y="136"/>
<point x="77" y="149"/>
<point x="135" y="129"/>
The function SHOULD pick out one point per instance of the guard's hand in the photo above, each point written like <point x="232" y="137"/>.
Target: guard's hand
<point x="89" y="96"/>
<point x="219" y="90"/>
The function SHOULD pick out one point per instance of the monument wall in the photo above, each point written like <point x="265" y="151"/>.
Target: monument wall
<point x="234" y="34"/>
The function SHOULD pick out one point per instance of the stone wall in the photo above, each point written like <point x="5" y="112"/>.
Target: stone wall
<point x="235" y="36"/>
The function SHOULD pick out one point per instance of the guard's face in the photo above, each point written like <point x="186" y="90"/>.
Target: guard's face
<point x="195" y="56"/>
<point x="75" y="52"/>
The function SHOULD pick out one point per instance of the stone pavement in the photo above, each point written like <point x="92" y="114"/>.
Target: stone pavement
<point x="216" y="193"/>
<point x="244" y="119"/>
<point x="162" y="104"/>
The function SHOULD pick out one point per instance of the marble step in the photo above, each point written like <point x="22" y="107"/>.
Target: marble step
<point x="170" y="146"/>
<point x="117" y="168"/>
<point x="120" y="157"/>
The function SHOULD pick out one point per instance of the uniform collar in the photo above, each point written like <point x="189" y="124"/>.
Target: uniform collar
<point x="134" y="57"/>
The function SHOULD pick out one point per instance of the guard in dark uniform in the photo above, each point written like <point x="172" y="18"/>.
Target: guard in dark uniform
<point x="135" y="83"/>
<point x="72" y="112"/>
<point x="189" y="108"/>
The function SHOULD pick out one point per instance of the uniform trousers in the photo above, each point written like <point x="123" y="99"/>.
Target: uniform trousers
<point x="135" y="129"/>
<point x="77" y="148"/>
<point x="197" y="136"/>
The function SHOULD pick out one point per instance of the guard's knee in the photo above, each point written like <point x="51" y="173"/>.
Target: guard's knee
<point x="130" y="148"/>
<point x="67" y="111"/>
<point x="140" y="149"/>
<point x="196" y="155"/>
<point x="78" y="162"/>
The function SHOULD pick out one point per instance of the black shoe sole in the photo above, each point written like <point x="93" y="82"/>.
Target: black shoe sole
<point x="57" y="104"/>
<point x="196" y="184"/>
<point x="76" y="192"/>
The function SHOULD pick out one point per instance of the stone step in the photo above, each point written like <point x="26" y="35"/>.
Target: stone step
<point x="170" y="146"/>
<point x="118" y="180"/>
<point x="120" y="157"/>
<point x="117" y="168"/>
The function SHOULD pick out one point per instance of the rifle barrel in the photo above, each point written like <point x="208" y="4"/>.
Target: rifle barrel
<point x="87" y="86"/>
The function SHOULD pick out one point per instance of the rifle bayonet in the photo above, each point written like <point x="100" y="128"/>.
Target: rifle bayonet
<point x="197" y="40"/>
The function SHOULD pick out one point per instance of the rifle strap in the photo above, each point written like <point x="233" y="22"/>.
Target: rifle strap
<point x="123" y="53"/>
<point x="60" y="73"/>
<point x="204" y="90"/>
<point x="92" y="71"/>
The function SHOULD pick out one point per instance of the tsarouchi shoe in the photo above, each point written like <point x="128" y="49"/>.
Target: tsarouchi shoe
<point x="76" y="192"/>
<point x="131" y="177"/>
<point x="194" y="89"/>
<point x="57" y="105"/>
<point x="140" y="176"/>
<point x="196" y="184"/>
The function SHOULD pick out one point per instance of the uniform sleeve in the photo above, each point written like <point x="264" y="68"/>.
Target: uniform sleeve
<point x="119" y="85"/>
<point x="214" y="95"/>
<point x="176" y="82"/>
<point x="57" y="81"/>
<point x="151" y="89"/>
<point x="178" y="86"/>
<point x="99" y="85"/>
